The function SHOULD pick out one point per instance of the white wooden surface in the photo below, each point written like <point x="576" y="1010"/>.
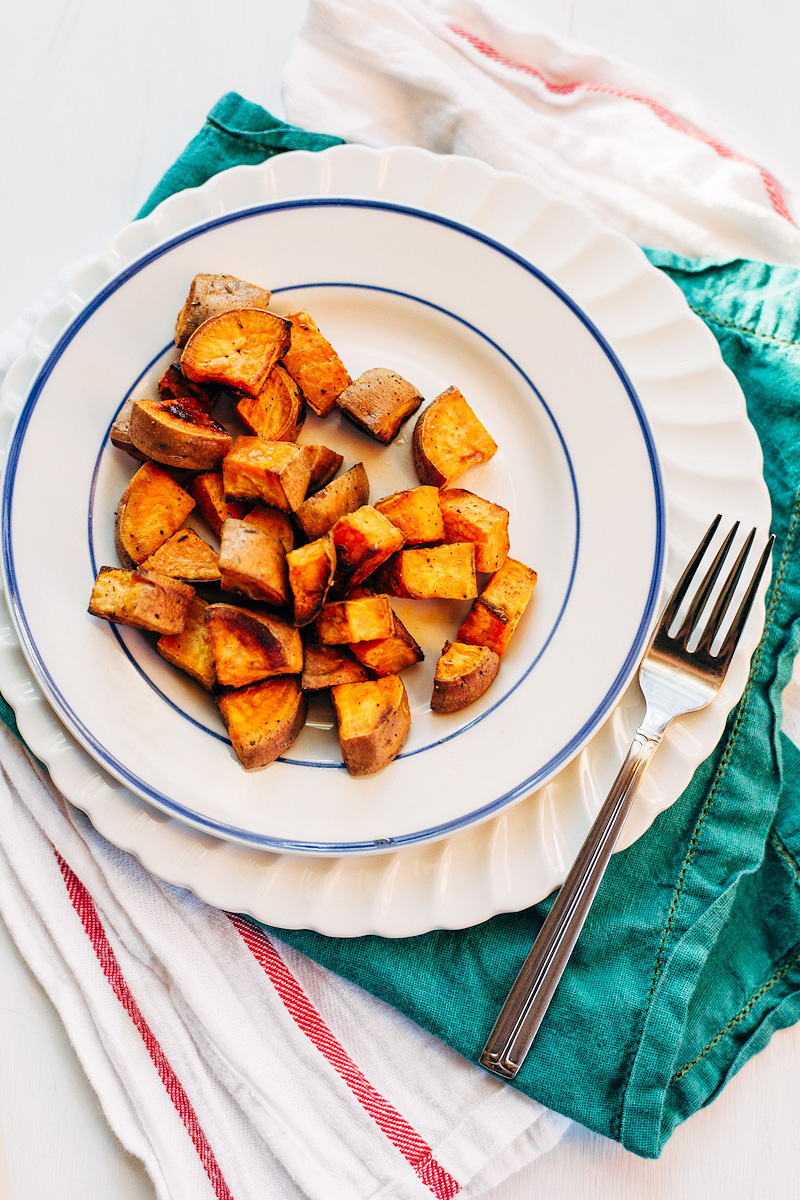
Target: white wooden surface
<point x="97" y="100"/>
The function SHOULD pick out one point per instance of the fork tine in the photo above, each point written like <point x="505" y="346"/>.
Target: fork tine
<point x="732" y="637"/>
<point x="704" y="591"/>
<point x="682" y="586"/>
<point x="726" y="595"/>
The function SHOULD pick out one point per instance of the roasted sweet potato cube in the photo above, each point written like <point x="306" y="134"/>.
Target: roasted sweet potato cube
<point x="191" y="648"/>
<point x="463" y="674"/>
<point x="249" y="645"/>
<point x="324" y="465"/>
<point x="236" y="349"/>
<point x="178" y="433"/>
<point x="311" y="570"/>
<point x="278" y="411"/>
<point x="314" y="364"/>
<point x="327" y="666"/>
<point x="378" y="402"/>
<point x="173" y="385"/>
<point x="469" y="518"/>
<point x="495" y="614"/>
<point x="143" y="599"/>
<point x="209" y="494"/>
<point x="446" y="572"/>
<point x="264" y="720"/>
<point x="363" y="540"/>
<point x="185" y="556"/>
<point x="320" y="512"/>
<point x="276" y="473"/>
<point x="416" y="514"/>
<point x="253" y="563"/>
<point x="449" y="439"/>
<point x="210" y="295"/>
<point x="389" y="655"/>
<point x="346" y="621"/>
<point x="274" y="522"/>
<point x="373" y="720"/>
<point x="152" y="508"/>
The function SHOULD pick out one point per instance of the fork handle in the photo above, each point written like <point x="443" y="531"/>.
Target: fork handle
<point x="533" y="989"/>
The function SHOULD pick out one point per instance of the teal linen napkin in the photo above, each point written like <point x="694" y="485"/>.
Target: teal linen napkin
<point x="690" y="959"/>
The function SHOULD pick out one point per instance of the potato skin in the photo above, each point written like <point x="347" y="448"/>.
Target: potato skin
<point x="463" y="674"/>
<point x="320" y="512"/>
<point x="210" y="295"/>
<point x="178" y="433"/>
<point x="373" y="720"/>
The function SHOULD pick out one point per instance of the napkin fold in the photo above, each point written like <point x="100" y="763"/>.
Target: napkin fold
<point x="226" y="1074"/>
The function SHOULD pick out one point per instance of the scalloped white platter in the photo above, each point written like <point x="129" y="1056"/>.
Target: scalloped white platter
<point x="610" y="405"/>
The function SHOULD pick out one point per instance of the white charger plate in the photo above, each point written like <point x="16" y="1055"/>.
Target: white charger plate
<point x="476" y="306"/>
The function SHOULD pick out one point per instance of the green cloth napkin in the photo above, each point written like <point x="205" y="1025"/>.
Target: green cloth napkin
<point x="690" y="959"/>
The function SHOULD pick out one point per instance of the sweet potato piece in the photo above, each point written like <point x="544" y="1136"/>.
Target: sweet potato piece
<point x="327" y="666"/>
<point x="346" y="621"/>
<point x="373" y="720"/>
<point x="210" y="295"/>
<point x="173" y="385"/>
<point x="278" y="411"/>
<point x="469" y="518"/>
<point x="191" y="648"/>
<point x="119" y="433"/>
<point x="249" y="645"/>
<point x="495" y="614"/>
<point x="253" y="562"/>
<point x="324" y="465"/>
<point x="274" y="522"/>
<point x="320" y="512"/>
<point x="263" y="720"/>
<point x="416" y="514"/>
<point x="143" y="599"/>
<point x="449" y="439"/>
<point x="209" y="495"/>
<point x="152" y="508"/>
<point x="389" y="655"/>
<point x="314" y="364"/>
<point x="378" y="402"/>
<point x="463" y="674"/>
<point x="446" y="572"/>
<point x="236" y="349"/>
<point x="185" y="556"/>
<point x="363" y="540"/>
<point x="178" y="433"/>
<point x="311" y="569"/>
<point x="276" y="473"/>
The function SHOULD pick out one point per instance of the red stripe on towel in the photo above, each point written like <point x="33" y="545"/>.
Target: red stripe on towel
<point x="397" y="1129"/>
<point x="85" y="908"/>
<point x="664" y="114"/>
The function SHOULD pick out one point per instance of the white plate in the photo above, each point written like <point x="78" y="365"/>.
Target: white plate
<point x="711" y="461"/>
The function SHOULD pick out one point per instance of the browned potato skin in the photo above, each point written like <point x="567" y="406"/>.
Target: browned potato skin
<point x="249" y="646"/>
<point x="496" y="613"/>
<point x="320" y="512"/>
<point x="274" y="522"/>
<point x="363" y="539"/>
<point x="152" y="508"/>
<point x="324" y="465"/>
<point x="119" y="433"/>
<point x="209" y="495"/>
<point x="142" y="599"/>
<point x="327" y="666"/>
<point x="264" y="720"/>
<point x="314" y="364"/>
<point x="416" y="513"/>
<point x="178" y="433"/>
<point x="278" y="411"/>
<point x="253" y="563"/>
<point x="190" y="650"/>
<point x="378" y="402"/>
<point x="373" y="720"/>
<point x="449" y="439"/>
<point x="210" y="295"/>
<point x="311" y="569"/>
<point x="276" y="473"/>
<point x="470" y="518"/>
<point x="444" y="572"/>
<point x="236" y="349"/>
<point x="185" y="556"/>
<point x="463" y="674"/>
<point x="346" y="621"/>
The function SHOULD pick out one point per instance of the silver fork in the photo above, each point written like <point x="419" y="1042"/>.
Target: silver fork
<point x="674" y="680"/>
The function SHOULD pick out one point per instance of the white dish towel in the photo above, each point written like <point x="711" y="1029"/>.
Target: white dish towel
<point x="229" y="1064"/>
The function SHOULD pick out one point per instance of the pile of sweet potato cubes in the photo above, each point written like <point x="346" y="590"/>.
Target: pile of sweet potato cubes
<point x="308" y="565"/>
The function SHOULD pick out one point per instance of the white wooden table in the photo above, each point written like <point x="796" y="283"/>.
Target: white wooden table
<point x="97" y="100"/>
